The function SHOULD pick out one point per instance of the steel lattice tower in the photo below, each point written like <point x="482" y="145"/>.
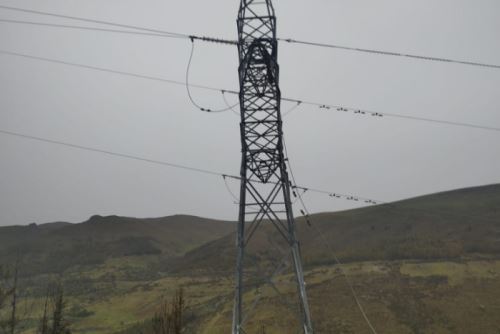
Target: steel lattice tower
<point x="265" y="186"/>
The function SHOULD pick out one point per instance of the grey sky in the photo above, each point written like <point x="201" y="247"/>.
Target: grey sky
<point x="386" y="159"/>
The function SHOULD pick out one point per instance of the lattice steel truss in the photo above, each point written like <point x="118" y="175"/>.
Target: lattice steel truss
<point x="265" y="186"/>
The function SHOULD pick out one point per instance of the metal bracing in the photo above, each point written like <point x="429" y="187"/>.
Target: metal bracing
<point x="265" y="186"/>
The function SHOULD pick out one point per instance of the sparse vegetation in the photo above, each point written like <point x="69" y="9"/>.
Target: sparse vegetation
<point x="427" y="265"/>
<point x="53" y="320"/>
<point x="169" y="319"/>
<point x="9" y="294"/>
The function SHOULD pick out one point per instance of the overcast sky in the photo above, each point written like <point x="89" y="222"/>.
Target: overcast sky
<point x="381" y="158"/>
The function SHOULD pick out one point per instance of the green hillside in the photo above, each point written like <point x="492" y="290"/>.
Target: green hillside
<point x="424" y="265"/>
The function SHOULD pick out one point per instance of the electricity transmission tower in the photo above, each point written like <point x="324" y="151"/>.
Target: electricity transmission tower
<point x="265" y="186"/>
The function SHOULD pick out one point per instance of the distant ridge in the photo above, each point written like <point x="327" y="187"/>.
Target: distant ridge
<point x="54" y="247"/>
<point x="446" y="225"/>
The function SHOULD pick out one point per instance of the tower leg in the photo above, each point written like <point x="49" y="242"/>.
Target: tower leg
<point x="297" y="259"/>
<point x="240" y="244"/>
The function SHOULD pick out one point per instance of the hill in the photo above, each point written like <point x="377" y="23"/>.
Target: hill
<point x="55" y="247"/>
<point x="446" y="225"/>
<point x="424" y="265"/>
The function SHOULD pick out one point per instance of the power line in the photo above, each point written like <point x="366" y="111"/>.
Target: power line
<point x="107" y="152"/>
<point x="231" y="107"/>
<point x="228" y="188"/>
<point x="378" y="114"/>
<point x="391" y="206"/>
<point x="226" y="102"/>
<point x="307" y="216"/>
<point x="225" y="176"/>
<point x="389" y="53"/>
<point x="335" y="195"/>
<point x="193" y="102"/>
<point x="370" y="201"/>
<point x="102" y="69"/>
<point x="347" y="279"/>
<point x="343" y="196"/>
<point x="226" y="41"/>
<point x="128" y="156"/>
<point x="323" y="106"/>
<point x="292" y="109"/>
<point x="164" y="33"/>
<point x="83" y="19"/>
<point x="66" y="26"/>
<point x="120" y="25"/>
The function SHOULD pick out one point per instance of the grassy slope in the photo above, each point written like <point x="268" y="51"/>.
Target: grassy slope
<point x="425" y="265"/>
<point x="430" y="299"/>
<point x="399" y="298"/>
